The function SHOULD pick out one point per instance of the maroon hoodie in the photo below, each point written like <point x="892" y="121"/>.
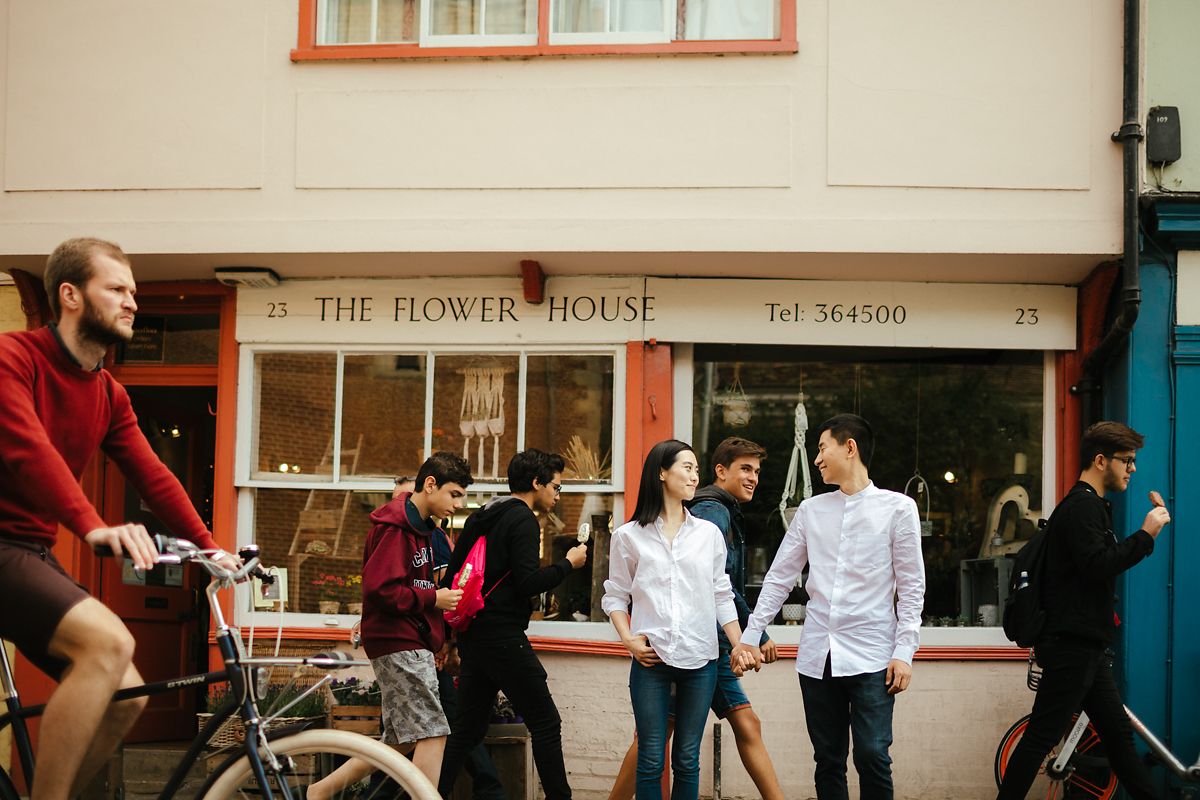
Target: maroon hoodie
<point x="399" y="596"/>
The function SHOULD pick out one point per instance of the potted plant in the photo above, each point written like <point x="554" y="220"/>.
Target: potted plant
<point x="311" y="709"/>
<point x="353" y="593"/>
<point x="356" y="706"/>
<point x="331" y="589"/>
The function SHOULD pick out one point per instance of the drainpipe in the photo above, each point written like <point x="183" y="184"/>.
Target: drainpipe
<point x="1128" y="136"/>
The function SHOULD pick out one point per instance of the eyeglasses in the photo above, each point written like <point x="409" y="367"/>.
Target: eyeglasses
<point x="557" y="487"/>
<point x="1128" y="461"/>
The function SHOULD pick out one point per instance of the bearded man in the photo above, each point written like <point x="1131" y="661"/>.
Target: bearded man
<point x="60" y="407"/>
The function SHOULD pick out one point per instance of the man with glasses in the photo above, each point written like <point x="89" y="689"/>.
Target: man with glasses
<point x="495" y="653"/>
<point x="1083" y="560"/>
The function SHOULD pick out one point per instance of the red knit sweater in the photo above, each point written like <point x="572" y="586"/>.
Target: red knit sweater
<point x="54" y="416"/>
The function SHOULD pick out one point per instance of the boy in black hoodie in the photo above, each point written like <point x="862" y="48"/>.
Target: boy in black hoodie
<point x="402" y="624"/>
<point x="496" y="655"/>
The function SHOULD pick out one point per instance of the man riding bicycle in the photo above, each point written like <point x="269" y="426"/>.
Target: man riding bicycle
<point x="61" y="406"/>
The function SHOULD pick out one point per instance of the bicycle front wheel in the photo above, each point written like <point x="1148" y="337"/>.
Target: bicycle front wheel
<point x="1089" y="774"/>
<point x="311" y="755"/>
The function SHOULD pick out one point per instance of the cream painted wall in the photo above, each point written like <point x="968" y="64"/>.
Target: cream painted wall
<point x="947" y="727"/>
<point x="1172" y="67"/>
<point x="932" y="126"/>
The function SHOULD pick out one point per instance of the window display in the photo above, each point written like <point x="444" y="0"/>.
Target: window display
<point x="960" y="431"/>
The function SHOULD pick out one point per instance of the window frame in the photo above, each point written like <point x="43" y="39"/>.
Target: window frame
<point x="544" y="43"/>
<point x="246" y="483"/>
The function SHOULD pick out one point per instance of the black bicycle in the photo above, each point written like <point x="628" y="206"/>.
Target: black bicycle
<point x="269" y="763"/>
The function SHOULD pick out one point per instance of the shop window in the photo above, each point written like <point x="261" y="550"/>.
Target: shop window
<point x="308" y="495"/>
<point x="412" y="28"/>
<point x="968" y="424"/>
<point x="294" y="394"/>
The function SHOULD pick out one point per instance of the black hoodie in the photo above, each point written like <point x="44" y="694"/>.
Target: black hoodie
<point x="513" y="562"/>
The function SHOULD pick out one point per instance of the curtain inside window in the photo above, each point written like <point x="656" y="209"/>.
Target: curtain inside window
<point x="731" y="19"/>
<point x="349" y="21"/>
<point x="608" y="16"/>
<point x="483" y="17"/>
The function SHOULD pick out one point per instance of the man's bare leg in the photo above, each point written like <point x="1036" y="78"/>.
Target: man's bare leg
<point x="353" y="771"/>
<point x="747" y="731"/>
<point x="78" y="727"/>
<point x="428" y="757"/>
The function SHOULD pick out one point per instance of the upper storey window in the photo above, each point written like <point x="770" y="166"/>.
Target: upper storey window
<point x="441" y="28"/>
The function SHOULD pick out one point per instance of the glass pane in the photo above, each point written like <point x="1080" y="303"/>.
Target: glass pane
<point x="294" y="414"/>
<point x="569" y="410"/>
<point x="608" y="16"/>
<point x="475" y="411"/>
<point x="347" y="21"/>
<point x="172" y="339"/>
<point x="398" y="20"/>
<point x="483" y="17"/>
<point x="971" y="422"/>
<point x="731" y="19"/>
<point x="383" y="414"/>
<point x="317" y="536"/>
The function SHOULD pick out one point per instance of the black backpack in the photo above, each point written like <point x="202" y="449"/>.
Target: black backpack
<point x="1024" y="614"/>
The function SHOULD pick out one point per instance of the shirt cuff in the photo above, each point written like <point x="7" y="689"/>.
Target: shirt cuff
<point x="904" y="653"/>
<point x="752" y="636"/>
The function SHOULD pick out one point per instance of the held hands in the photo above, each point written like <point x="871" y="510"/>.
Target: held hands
<point x="899" y="675"/>
<point x="577" y="555"/>
<point x="745" y="657"/>
<point x="447" y="599"/>
<point x="769" y="651"/>
<point x="639" y="647"/>
<point x="126" y="540"/>
<point x="1157" y="517"/>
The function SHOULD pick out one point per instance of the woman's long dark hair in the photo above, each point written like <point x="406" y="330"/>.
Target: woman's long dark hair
<point x="650" y="500"/>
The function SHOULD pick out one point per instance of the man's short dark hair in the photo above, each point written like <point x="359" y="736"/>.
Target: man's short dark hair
<point x="71" y="262"/>
<point x="1106" y="438"/>
<point x="735" y="447"/>
<point x="844" y="427"/>
<point x="529" y="464"/>
<point x="445" y="467"/>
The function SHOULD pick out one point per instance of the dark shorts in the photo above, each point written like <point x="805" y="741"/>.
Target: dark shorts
<point x="728" y="696"/>
<point x="35" y="593"/>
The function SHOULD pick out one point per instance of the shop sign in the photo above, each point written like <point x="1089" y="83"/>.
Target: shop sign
<point x="605" y="310"/>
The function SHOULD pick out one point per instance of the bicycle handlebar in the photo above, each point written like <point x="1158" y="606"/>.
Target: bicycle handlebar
<point x="181" y="551"/>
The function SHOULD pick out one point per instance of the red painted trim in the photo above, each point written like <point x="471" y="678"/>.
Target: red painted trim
<point x="164" y="374"/>
<point x="1094" y="294"/>
<point x="224" y="493"/>
<point x="307" y="48"/>
<point x="649" y="407"/>
<point x="786" y="652"/>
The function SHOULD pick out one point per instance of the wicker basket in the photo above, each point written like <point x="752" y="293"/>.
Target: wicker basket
<point x="360" y="719"/>
<point x="232" y="732"/>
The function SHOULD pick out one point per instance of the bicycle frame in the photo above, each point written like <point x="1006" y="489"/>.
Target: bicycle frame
<point x="238" y="668"/>
<point x="1161" y="751"/>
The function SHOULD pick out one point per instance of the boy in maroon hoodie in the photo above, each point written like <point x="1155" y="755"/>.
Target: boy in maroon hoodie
<point x="402" y="624"/>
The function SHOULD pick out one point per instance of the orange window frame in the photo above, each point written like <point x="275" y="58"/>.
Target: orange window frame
<point x="307" y="48"/>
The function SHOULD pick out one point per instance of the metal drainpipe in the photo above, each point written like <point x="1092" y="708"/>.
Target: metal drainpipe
<point x="1128" y="136"/>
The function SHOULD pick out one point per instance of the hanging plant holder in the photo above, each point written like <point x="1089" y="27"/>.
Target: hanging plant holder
<point x="736" y="410"/>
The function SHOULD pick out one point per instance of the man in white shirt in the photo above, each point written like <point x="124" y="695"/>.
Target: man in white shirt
<point x="866" y="588"/>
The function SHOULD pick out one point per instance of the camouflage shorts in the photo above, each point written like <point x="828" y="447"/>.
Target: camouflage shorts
<point x="412" y="709"/>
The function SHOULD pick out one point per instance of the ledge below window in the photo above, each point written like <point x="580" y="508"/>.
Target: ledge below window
<point x="365" y="52"/>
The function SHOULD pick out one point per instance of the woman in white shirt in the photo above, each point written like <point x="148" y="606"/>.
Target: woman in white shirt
<point x="670" y="566"/>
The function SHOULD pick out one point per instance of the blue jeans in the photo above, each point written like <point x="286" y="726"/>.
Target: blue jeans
<point x="834" y="708"/>
<point x="651" y="689"/>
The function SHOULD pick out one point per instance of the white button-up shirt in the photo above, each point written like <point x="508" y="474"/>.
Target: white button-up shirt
<point x="677" y="589"/>
<point x="864" y="550"/>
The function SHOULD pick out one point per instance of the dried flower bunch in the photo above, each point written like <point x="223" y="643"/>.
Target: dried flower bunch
<point x="582" y="463"/>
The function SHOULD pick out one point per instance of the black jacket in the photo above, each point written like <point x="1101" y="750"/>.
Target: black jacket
<point x="513" y="562"/>
<point x="1083" y="560"/>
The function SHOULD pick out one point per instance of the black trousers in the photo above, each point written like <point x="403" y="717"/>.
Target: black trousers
<point x="1076" y="675"/>
<point x="510" y="665"/>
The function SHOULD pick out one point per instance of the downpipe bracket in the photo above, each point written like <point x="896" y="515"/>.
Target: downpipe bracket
<point x="1130" y="130"/>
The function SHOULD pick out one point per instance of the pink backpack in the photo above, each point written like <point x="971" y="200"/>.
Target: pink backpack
<point x="470" y="580"/>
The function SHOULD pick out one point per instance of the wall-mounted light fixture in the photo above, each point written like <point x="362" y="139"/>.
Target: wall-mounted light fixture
<point x="248" y="277"/>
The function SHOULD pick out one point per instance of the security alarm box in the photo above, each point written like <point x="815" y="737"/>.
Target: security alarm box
<point x="1163" y="145"/>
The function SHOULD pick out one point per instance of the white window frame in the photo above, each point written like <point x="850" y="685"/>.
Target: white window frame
<point x="245" y="450"/>
<point x="323" y="30"/>
<point x="665" y="34"/>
